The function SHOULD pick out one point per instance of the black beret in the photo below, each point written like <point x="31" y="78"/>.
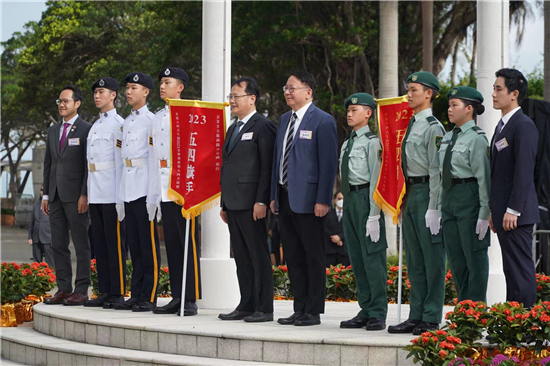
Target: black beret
<point x="174" y="72"/>
<point x="140" y="78"/>
<point x="107" y="83"/>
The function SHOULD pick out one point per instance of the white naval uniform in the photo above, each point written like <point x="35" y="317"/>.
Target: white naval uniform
<point x="104" y="158"/>
<point x="159" y="172"/>
<point x="137" y="148"/>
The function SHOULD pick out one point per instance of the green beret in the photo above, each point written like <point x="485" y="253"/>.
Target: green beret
<point x="425" y="78"/>
<point x="360" y="99"/>
<point x="466" y="93"/>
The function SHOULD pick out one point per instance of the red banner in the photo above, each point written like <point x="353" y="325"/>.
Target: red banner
<point x="197" y="134"/>
<point x="393" y="118"/>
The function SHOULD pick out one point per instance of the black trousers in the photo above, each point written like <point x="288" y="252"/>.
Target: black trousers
<point x="519" y="268"/>
<point x="276" y="245"/>
<point x="109" y="249"/>
<point x="304" y="251"/>
<point x="174" y="226"/>
<point x="334" y="259"/>
<point x="43" y="250"/>
<point x="251" y="253"/>
<point x="64" y="217"/>
<point x="143" y="239"/>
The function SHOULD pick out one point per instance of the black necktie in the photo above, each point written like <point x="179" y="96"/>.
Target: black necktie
<point x="289" y="140"/>
<point x="235" y="134"/>
<point x="446" y="176"/>
<point x="403" y="155"/>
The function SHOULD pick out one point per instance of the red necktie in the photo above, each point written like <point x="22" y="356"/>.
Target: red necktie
<point x="64" y="136"/>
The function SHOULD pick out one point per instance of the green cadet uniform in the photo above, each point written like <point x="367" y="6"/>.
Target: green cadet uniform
<point x="465" y="171"/>
<point x="360" y="160"/>
<point x="425" y="253"/>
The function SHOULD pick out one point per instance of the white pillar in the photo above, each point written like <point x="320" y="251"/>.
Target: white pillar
<point x="218" y="271"/>
<point x="492" y="55"/>
<point x="388" y="86"/>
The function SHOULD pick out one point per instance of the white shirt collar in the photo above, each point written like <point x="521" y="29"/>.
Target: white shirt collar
<point x="142" y="110"/>
<point x="107" y="114"/>
<point x="247" y="118"/>
<point x="302" y="111"/>
<point x="509" y="115"/>
<point x="72" y="120"/>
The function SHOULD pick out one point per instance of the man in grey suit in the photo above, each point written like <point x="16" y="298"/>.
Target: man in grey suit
<point x="40" y="236"/>
<point x="65" y="198"/>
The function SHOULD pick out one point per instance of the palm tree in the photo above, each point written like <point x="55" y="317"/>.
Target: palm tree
<point x="427" y="35"/>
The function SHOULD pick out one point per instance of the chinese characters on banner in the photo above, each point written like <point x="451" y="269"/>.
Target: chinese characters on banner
<point x="197" y="135"/>
<point x="393" y="118"/>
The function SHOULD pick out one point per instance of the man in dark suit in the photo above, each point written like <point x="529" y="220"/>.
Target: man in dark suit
<point x="245" y="179"/>
<point x="304" y="167"/>
<point x="513" y="201"/>
<point x="335" y="252"/>
<point x="65" y="198"/>
<point x="40" y="233"/>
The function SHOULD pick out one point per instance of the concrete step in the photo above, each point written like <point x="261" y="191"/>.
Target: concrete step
<point x="24" y="345"/>
<point x="205" y="335"/>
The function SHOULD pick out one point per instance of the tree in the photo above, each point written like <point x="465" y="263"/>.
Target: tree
<point x="427" y="35"/>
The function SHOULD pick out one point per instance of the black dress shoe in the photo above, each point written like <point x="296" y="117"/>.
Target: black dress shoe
<point x="406" y="327"/>
<point x="356" y="322"/>
<point x="235" y="315"/>
<point x="97" y="302"/>
<point x="143" y="306"/>
<point x="290" y="320"/>
<point x="259" y="317"/>
<point x="189" y="309"/>
<point x="171" y="308"/>
<point x="308" y="319"/>
<point x="112" y="300"/>
<point x="376" y="324"/>
<point x="425" y="327"/>
<point x="126" y="305"/>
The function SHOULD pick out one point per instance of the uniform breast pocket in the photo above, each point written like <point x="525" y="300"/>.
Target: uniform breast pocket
<point x="101" y="143"/>
<point x="461" y="155"/>
<point x="358" y="159"/>
<point x="413" y="145"/>
<point x="137" y="144"/>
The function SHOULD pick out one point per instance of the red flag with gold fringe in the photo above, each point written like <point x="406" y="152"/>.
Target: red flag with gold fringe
<point x="393" y="118"/>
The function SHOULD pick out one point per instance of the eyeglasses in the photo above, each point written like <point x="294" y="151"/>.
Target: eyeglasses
<point x="63" y="101"/>
<point x="234" y="96"/>
<point x="291" y="89"/>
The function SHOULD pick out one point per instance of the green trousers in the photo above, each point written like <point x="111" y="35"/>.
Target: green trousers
<point x="467" y="254"/>
<point x="368" y="259"/>
<point x="425" y="253"/>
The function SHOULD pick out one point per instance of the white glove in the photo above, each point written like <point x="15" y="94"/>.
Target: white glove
<point x="151" y="211"/>
<point x="373" y="228"/>
<point x="432" y="221"/>
<point x="120" y="211"/>
<point x="159" y="214"/>
<point x="481" y="228"/>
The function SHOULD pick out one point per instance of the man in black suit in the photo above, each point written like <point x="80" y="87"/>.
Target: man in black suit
<point x="40" y="234"/>
<point x="245" y="188"/>
<point x="335" y="252"/>
<point x="513" y="202"/>
<point x="66" y="198"/>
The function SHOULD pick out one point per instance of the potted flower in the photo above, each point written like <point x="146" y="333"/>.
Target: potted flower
<point x="506" y="324"/>
<point x="467" y="320"/>
<point x="436" y="348"/>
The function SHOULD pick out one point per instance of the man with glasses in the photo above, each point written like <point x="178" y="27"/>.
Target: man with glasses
<point x="302" y="180"/>
<point x="247" y="156"/>
<point x="65" y="198"/>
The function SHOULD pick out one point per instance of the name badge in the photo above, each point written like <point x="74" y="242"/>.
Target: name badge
<point x="501" y="144"/>
<point x="247" y="136"/>
<point x="306" y="135"/>
<point x="74" y="141"/>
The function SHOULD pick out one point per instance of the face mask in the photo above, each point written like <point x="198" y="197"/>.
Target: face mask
<point x="340" y="203"/>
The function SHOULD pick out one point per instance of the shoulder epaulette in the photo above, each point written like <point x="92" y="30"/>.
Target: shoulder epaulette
<point x="478" y="130"/>
<point x="432" y="120"/>
<point x="370" y="135"/>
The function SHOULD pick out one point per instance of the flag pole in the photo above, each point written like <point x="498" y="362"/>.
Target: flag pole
<point x="400" y="279"/>
<point x="184" y="275"/>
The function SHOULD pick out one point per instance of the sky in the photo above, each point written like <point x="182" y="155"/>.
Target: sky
<point x="527" y="57"/>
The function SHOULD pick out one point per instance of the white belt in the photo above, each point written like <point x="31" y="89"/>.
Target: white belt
<point x="164" y="163"/>
<point x="101" y="166"/>
<point x="130" y="163"/>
